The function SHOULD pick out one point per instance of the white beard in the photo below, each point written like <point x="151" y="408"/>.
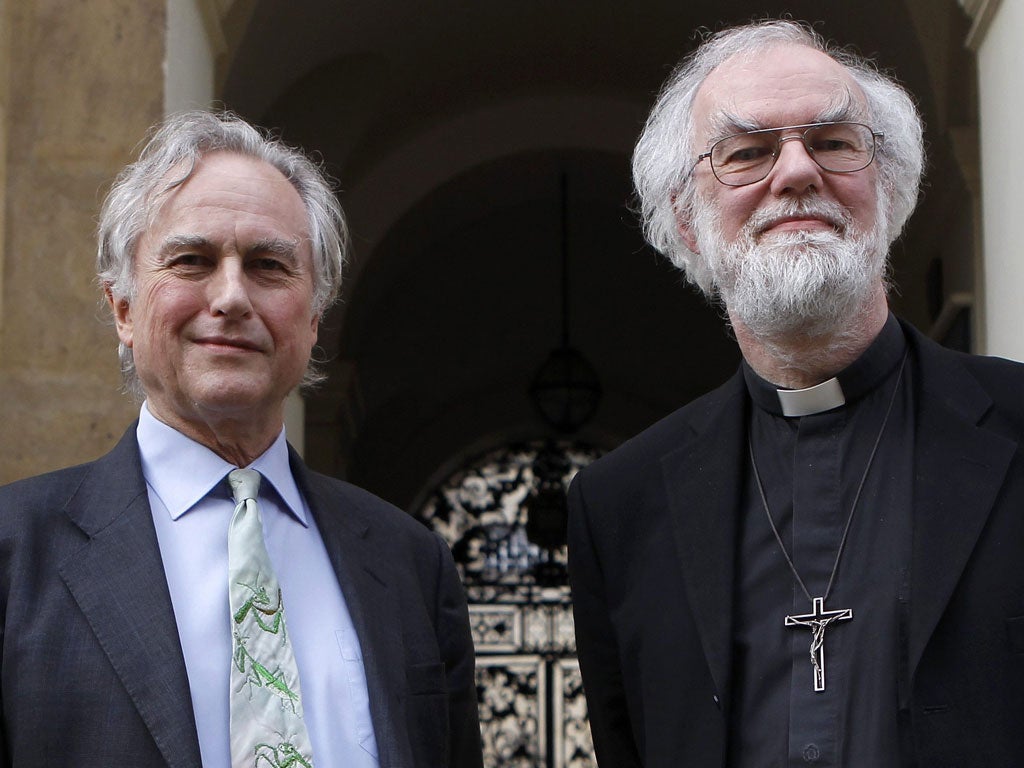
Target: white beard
<point x="808" y="283"/>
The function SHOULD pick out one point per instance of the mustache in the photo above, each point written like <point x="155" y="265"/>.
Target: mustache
<point x="813" y="208"/>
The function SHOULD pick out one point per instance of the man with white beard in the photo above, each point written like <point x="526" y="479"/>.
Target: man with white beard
<point x="818" y="563"/>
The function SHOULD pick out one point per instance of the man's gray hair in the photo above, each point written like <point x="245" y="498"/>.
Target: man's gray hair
<point x="665" y="153"/>
<point x="169" y="158"/>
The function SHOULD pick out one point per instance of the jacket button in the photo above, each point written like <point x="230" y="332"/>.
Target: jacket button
<point x="811" y="753"/>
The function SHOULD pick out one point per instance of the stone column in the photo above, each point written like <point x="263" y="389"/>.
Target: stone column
<point x="82" y="82"/>
<point x="996" y="36"/>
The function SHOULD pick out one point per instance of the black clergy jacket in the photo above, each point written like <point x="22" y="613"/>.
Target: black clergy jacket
<point x="653" y="531"/>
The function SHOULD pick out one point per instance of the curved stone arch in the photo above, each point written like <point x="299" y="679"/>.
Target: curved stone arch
<point x="428" y="160"/>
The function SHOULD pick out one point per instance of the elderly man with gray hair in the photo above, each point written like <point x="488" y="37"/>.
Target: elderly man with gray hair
<point x="818" y="563"/>
<point x="198" y="597"/>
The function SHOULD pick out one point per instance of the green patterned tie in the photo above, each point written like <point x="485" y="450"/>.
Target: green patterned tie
<point x="267" y="729"/>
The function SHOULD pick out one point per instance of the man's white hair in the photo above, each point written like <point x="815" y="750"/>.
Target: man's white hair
<point x="665" y="153"/>
<point x="168" y="160"/>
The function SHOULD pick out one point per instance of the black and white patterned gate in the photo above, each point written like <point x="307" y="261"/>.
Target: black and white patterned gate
<point x="503" y="514"/>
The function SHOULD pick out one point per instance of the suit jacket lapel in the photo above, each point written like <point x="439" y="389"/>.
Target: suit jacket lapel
<point x="701" y="480"/>
<point x="959" y="470"/>
<point x="362" y="572"/>
<point x="117" y="579"/>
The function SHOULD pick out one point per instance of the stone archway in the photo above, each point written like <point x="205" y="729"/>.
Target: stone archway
<point x="403" y="105"/>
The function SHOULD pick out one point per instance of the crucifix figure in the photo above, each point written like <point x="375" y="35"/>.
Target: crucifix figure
<point x="817" y="621"/>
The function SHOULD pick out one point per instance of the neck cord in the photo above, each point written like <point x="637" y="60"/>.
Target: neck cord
<point x="853" y="508"/>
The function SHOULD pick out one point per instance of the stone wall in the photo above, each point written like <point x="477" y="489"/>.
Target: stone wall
<point x="81" y="83"/>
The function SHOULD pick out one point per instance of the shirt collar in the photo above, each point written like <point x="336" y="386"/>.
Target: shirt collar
<point x="182" y="472"/>
<point x="852" y="383"/>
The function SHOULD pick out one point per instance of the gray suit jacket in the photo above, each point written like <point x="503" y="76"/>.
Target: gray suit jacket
<point x="652" y="560"/>
<point x="92" y="670"/>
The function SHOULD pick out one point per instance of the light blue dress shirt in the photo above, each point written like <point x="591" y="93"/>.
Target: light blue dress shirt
<point x="192" y="506"/>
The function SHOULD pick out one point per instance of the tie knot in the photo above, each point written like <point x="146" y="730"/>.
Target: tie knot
<point x="245" y="484"/>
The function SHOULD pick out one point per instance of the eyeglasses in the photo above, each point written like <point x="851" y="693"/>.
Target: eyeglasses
<point x="746" y="158"/>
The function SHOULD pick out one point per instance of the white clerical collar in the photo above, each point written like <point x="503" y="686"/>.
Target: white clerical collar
<point x="817" y="399"/>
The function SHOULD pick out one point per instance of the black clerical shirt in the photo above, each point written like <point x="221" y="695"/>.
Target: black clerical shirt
<point x="811" y="467"/>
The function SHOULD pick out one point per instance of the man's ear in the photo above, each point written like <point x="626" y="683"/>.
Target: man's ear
<point x="122" y="312"/>
<point x="683" y="227"/>
<point x="686" y="235"/>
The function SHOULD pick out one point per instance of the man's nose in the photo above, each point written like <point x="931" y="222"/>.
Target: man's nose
<point x="795" y="171"/>
<point x="229" y="289"/>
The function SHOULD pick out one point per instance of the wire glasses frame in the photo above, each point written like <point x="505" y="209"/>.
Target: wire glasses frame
<point x="748" y="157"/>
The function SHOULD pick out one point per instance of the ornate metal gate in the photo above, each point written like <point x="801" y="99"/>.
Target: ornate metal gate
<point x="503" y="514"/>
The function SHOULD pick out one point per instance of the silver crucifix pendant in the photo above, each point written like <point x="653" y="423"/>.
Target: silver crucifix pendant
<point x="817" y="621"/>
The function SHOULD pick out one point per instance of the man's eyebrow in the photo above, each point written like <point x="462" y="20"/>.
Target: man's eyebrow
<point x="178" y="243"/>
<point x="843" y="106"/>
<point x="724" y="123"/>
<point x="275" y="246"/>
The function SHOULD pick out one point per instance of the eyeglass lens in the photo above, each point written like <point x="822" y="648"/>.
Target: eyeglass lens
<point x="748" y="157"/>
